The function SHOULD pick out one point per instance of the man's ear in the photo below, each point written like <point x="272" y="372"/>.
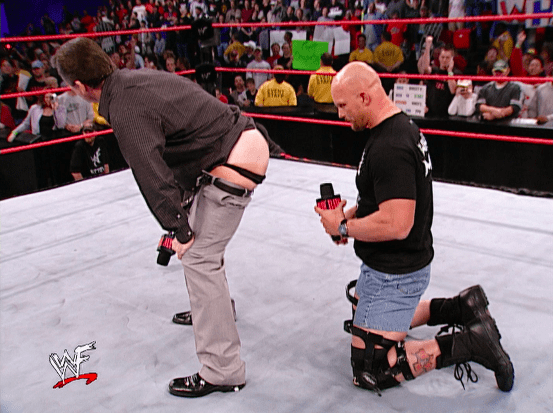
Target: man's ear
<point x="366" y="98"/>
<point x="80" y="87"/>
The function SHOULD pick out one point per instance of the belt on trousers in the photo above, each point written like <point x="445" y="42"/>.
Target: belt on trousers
<point x="207" y="179"/>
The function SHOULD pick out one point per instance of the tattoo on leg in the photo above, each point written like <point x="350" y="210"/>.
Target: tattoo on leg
<point x="423" y="363"/>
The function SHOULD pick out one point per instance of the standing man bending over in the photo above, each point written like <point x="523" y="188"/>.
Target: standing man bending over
<point x="170" y="132"/>
<point x="391" y="227"/>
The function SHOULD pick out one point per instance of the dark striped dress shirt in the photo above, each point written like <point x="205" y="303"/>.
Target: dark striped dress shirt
<point x="169" y="130"/>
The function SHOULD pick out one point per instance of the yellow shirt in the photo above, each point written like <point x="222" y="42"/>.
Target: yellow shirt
<point x="388" y="54"/>
<point x="508" y="44"/>
<point x="97" y="118"/>
<point x="361" y="56"/>
<point x="271" y="93"/>
<point x="319" y="85"/>
<point x="239" y="47"/>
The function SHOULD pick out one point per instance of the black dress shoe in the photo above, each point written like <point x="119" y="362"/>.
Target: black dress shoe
<point x="186" y="317"/>
<point x="195" y="386"/>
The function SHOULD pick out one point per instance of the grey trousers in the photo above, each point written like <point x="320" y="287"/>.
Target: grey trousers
<point x="214" y="217"/>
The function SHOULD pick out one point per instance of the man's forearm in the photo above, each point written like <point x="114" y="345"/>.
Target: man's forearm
<point x="393" y="221"/>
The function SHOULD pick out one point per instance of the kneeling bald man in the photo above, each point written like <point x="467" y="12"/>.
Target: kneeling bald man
<point x="391" y="228"/>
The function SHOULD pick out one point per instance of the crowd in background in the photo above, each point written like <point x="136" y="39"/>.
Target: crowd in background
<point x="488" y="48"/>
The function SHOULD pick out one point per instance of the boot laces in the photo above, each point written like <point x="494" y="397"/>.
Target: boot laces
<point x="458" y="373"/>
<point x="460" y="368"/>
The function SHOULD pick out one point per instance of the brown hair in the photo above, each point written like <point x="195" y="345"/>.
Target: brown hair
<point x="84" y="60"/>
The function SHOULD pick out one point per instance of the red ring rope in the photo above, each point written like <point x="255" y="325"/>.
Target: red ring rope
<point x="505" y="138"/>
<point x="287" y="24"/>
<point x="291" y="118"/>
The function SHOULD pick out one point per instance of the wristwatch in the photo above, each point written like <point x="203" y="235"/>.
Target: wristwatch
<point x="343" y="228"/>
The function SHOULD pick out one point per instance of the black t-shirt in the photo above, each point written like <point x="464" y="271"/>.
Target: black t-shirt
<point x="89" y="160"/>
<point x="396" y="165"/>
<point x="438" y="95"/>
<point x="46" y="126"/>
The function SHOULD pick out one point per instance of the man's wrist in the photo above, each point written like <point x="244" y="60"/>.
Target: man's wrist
<point x="343" y="228"/>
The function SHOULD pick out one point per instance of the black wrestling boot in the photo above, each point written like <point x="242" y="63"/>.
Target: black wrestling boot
<point x="478" y="342"/>
<point x="459" y="310"/>
<point x="195" y="386"/>
<point x="186" y="317"/>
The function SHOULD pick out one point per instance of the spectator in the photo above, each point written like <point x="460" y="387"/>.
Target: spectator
<point x="290" y="15"/>
<point x="170" y="64"/>
<point x="43" y="119"/>
<point x="428" y="29"/>
<point x="245" y="33"/>
<point x="79" y="113"/>
<point x="220" y="96"/>
<point x="361" y="54"/>
<point x="396" y="30"/>
<point x="324" y="16"/>
<point x="317" y="10"/>
<point x="399" y="81"/>
<point x="251" y="92"/>
<point x="117" y="61"/>
<point x="87" y="21"/>
<point x="541" y="105"/>
<point x="248" y="56"/>
<point x="247" y="11"/>
<point x="89" y="158"/>
<point x="258" y="63"/>
<point x="235" y="45"/>
<point x="182" y="64"/>
<point x="36" y="82"/>
<point x="547" y="56"/>
<point x="387" y="56"/>
<point x="276" y="13"/>
<point x="228" y="77"/>
<point x="275" y="55"/>
<point x="395" y="6"/>
<point x="140" y="10"/>
<point x="10" y="84"/>
<point x="286" y="60"/>
<point x="223" y="35"/>
<point x="464" y="102"/>
<point x="6" y="118"/>
<point x="456" y="9"/>
<point x="288" y="38"/>
<point x="439" y="93"/>
<point x="336" y="10"/>
<point x="307" y="10"/>
<point x="144" y="39"/>
<point x="159" y="45"/>
<point x="500" y="99"/>
<point x="233" y="12"/>
<point x="238" y="95"/>
<point x="48" y="25"/>
<point x="276" y="92"/>
<point x="319" y="85"/>
<point x="504" y="42"/>
<point x="485" y="68"/>
<point x="373" y="32"/>
<point x="527" y="64"/>
<point x="412" y="11"/>
<point x="48" y="70"/>
<point x="106" y="25"/>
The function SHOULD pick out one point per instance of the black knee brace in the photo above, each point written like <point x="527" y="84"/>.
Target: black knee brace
<point x="371" y="369"/>
<point x="351" y="298"/>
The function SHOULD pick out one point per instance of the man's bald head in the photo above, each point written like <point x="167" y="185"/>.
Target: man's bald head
<point x="359" y="96"/>
<point x="357" y="76"/>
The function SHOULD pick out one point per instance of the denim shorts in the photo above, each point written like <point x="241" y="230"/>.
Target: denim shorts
<point x="387" y="302"/>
